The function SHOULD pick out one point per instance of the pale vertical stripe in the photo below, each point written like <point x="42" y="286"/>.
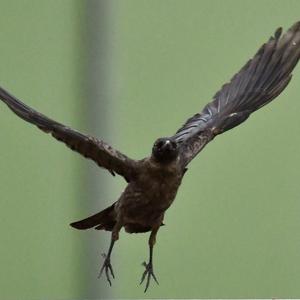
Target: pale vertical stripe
<point x="99" y="96"/>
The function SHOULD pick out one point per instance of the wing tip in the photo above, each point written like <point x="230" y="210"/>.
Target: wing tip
<point x="277" y="33"/>
<point x="295" y="26"/>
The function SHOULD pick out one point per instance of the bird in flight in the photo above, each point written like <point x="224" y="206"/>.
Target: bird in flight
<point x="152" y="182"/>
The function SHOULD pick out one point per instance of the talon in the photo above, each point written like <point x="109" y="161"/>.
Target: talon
<point x="107" y="267"/>
<point x="149" y="273"/>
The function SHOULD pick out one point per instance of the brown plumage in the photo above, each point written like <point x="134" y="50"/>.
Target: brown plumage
<point x="153" y="182"/>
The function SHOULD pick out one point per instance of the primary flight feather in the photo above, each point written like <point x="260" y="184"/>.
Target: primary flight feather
<point x="153" y="181"/>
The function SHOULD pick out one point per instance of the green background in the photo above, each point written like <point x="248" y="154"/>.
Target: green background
<point x="130" y="71"/>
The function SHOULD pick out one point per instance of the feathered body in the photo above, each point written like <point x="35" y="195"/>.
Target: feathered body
<point x="144" y="200"/>
<point x="153" y="182"/>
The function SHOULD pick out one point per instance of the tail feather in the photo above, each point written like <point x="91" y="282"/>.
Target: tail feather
<point x="105" y="219"/>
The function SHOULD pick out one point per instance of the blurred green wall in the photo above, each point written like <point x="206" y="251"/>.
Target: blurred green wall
<point x="129" y="71"/>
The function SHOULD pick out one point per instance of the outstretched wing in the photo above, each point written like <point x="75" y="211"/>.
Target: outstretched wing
<point x="262" y="79"/>
<point x="100" y="152"/>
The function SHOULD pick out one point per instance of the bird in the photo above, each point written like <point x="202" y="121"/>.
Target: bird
<point x="153" y="182"/>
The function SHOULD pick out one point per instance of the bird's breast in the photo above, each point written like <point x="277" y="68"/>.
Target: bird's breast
<point x="146" y="199"/>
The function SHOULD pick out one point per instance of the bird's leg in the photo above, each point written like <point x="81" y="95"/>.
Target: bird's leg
<point x="107" y="265"/>
<point x="149" y="266"/>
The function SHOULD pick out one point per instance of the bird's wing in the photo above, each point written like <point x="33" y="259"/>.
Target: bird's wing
<point x="262" y="79"/>
<point x="100" y="152"/>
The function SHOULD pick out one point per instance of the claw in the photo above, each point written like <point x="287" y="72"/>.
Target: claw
<point x="107" y="267"/>
<point x="149" y="273"/>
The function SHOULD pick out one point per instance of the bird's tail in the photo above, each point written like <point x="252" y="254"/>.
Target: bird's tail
<point x="104" y="220"/>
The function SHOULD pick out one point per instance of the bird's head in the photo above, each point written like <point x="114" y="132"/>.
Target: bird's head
<point x="165" y="150"/>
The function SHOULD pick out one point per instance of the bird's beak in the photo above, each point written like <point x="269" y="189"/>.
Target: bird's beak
<point x="167" y="145"/>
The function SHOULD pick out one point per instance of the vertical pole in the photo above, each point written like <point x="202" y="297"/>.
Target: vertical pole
<point x="98" y="93"/>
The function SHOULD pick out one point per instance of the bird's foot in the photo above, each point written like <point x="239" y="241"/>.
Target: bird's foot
<point x="148" y="273"/>
<point x="107" y="268"/>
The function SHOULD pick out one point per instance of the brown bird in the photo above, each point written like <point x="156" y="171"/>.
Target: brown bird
<point x="153" y="181"/>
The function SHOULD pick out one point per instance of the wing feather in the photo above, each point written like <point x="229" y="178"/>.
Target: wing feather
<point x="258" y="82"/>
<point x="97" y="150"/>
